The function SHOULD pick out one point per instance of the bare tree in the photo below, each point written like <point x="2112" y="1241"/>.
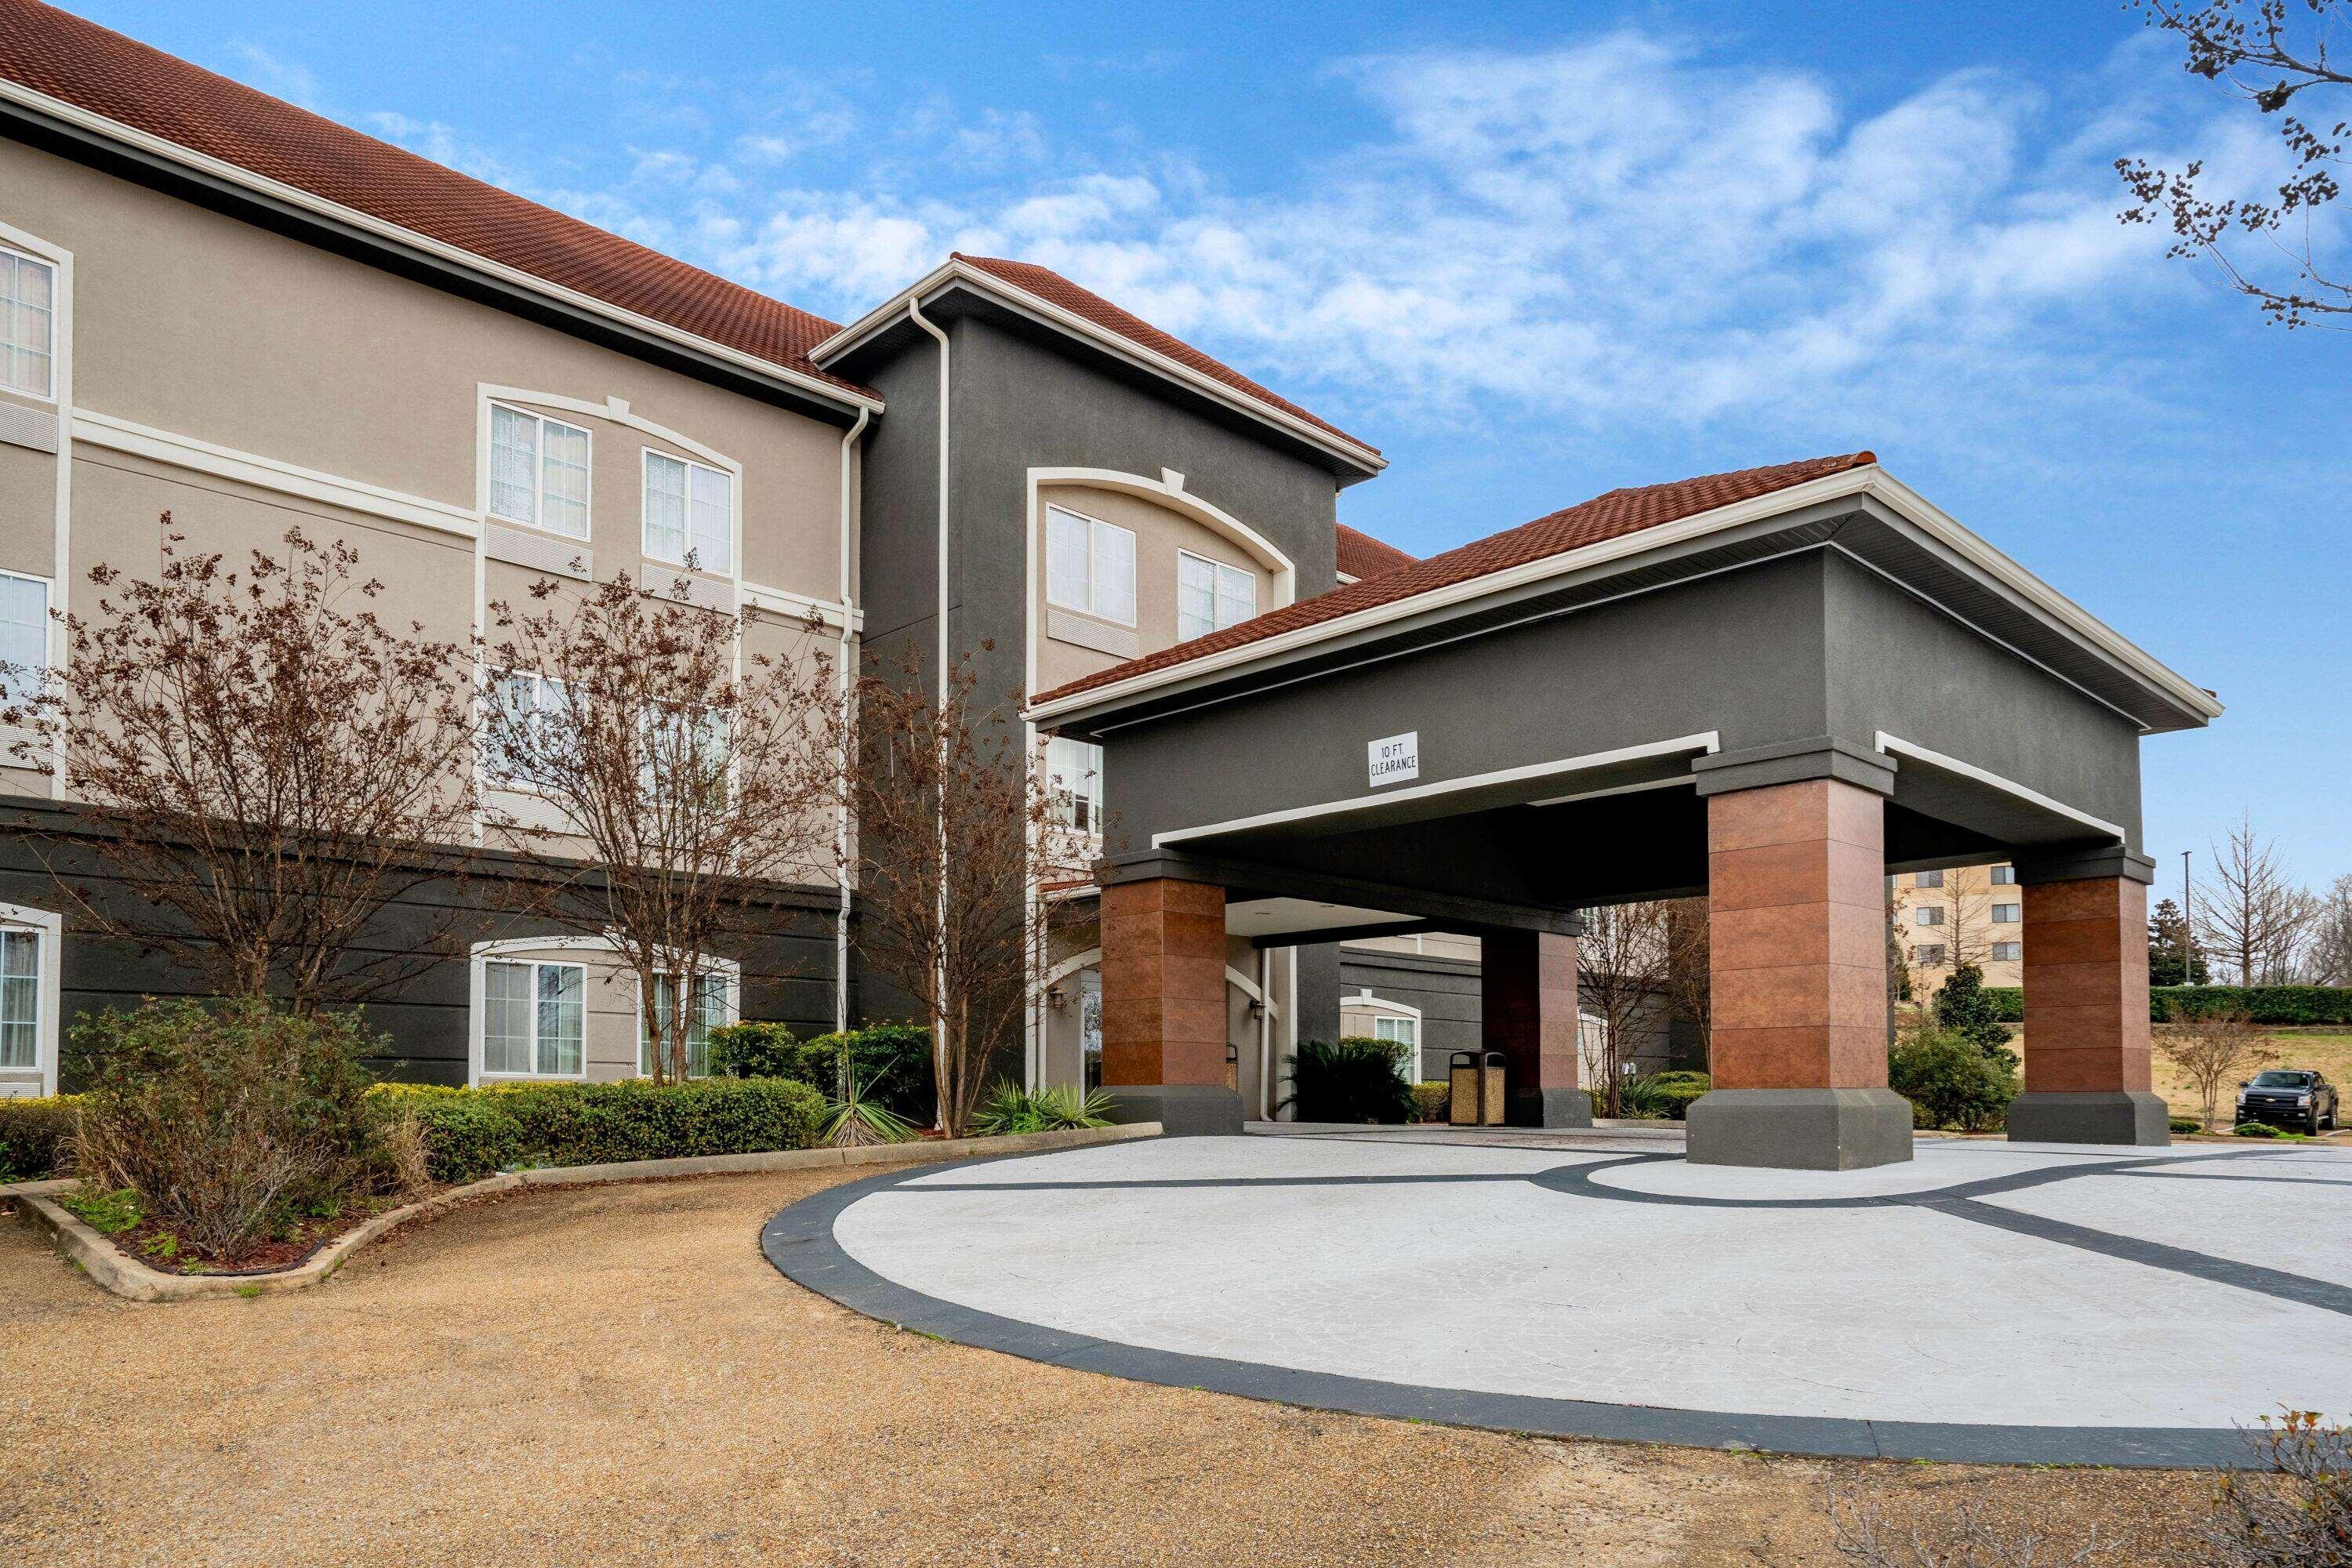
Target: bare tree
<point x="956" y="831"/>
<point x="1622" y="963"/>
<point x="2211" y="1049"/>
<point x="1690" y="969"/>
<point x="2331" y="940"/>
<point x="663" y="778"/>
<point x="2253" y="919"/>
<point x="263" y="762"/>
<point x="2270" y="53"/>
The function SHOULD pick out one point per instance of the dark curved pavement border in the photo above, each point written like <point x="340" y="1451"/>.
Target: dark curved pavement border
<point x="799" y="1241"/>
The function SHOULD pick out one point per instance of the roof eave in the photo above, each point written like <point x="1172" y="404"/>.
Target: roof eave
<point x="89" y="123"/>
<point x="1871" y="481"/>
<point x="954" y="272"/>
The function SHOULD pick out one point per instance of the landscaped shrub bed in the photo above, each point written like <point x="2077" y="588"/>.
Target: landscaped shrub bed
<point x="892" y="1062"/>
<point x="470" y="1133"/>
<point x="36" y="1137"/>
<point x="1433" y="1101"/>
<point x="1951" y="1081"/>
<point x="1355" y="1079"/>
<point x="2261" y="1004"/>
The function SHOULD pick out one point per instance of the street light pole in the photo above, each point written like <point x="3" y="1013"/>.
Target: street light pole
<point x="2187" y="927"/>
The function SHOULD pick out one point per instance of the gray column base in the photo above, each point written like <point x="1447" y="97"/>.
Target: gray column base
<point x="1800" y="1129"/>
<point x="1183" y="1110"/>
<point x="1549" y="1108"/>
<point x="2131" y="1116"/>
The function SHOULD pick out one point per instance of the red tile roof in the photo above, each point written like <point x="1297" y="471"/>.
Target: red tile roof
<point x="107" y="74"/>
<point x="1055" y="289"/>
<point x="1609" y="516"/>
<point x="1362" y="557"/>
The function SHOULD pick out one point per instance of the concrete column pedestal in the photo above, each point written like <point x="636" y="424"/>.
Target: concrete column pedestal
<point x="1797" y="910"/>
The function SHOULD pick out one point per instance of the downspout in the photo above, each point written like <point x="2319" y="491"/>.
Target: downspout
<point x="939" y="928"/>
<point x="841" y="811"/>
<point x="1266" y="1033"/>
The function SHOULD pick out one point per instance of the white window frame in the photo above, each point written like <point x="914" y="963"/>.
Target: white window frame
<point x="730" y="1002"/>
<point x="2000" y="957"/>
<point x="49" y="626"/>
<point x="56" y="312"/>
<point x="48" y="927"/>
<point x="1218" y="573"/>
<point x="487" y="771"/>
<point x="2009" y="914"/>
<point x="1927" y="915"/>
<point x="2004" y="876"/>
<point x="1096" y="527"/>
<point x="732" y="473"/>
<point x="1409" y="1069"/>
<point x="1090" y="787"/>
<point x="536" y="522"/>
<point x="530" y="950"/>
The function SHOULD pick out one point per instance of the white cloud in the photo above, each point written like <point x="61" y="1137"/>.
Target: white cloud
<point x="274" y="73"/>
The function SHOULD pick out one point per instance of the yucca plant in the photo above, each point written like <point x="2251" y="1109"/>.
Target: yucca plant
<point x="859" y="1118"/>
<point x="1011" y="1109"/>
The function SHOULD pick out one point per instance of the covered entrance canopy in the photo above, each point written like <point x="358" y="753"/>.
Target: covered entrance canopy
<point x="1771" y="687"/>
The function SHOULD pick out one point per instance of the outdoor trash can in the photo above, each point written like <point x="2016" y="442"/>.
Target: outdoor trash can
<point x="1474" y="1089"/>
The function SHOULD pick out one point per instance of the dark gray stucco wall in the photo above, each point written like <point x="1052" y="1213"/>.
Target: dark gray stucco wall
<point x="1741" y="654"/>
<point x="1446" y="990"/>
<point x="1899" y="665"/>
<point x="785" y="945"/>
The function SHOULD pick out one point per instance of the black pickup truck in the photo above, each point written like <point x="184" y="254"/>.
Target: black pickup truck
<point x="2294" y="1097"/>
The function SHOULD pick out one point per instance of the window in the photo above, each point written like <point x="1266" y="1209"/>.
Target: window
<point x="1928" y="879"/>
<point x="710" y="1010"/>
<point x="690" y="515"/>
<point x="538" y="700"/>
<point x="534" y="1018"/>
<point x="20" y="998"/>
<point x="29" y="312"/>
<point x="1931" y="953"/>
<point x="1211" y="596"/>
<point x="2004" y="876"/>
<point x="24" y="634"/>
<point x="1405" y="1032"/>
<point x="683" y="751"/>
<point x="2008" y="952"/>
<point x="1089" y="565"/>
<point x="539" y="471"/>
<point x="1928" y="915"/>
<point x="1074" y="776"/>
<point x="2007" y="914"/>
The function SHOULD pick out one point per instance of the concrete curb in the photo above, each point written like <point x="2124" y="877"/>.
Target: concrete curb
<point x="10" y="1191"/>
<point x="109" y="1267"/>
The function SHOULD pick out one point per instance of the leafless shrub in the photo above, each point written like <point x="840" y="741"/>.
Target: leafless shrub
<point x="2300" y="1513"/>
<point x="2210" y="1049"/>
<point x="1865" y="1537"/>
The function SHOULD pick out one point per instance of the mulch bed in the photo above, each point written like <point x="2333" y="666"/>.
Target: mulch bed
<point x="266" y="1256"/>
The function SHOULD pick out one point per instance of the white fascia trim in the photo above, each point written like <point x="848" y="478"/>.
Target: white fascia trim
<point x="1078" y="326"/>
<point x="1896" y="746"/>
<point x="1618" y="789"/>
<point x="270" y="474"/>
<point x="1872" y="482"/>
<point x="1709" y="741"/>
<point x="783" y="602"/>
<point x="293" y="196"/>
<point x="1364" y="1001"/>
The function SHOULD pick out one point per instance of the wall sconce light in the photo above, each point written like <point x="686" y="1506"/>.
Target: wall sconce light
<point x="1256" y="1009"/>
<point x="1058" y="999"/>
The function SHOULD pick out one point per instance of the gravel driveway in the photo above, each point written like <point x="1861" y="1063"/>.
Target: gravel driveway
<point x="615" y="1376"/>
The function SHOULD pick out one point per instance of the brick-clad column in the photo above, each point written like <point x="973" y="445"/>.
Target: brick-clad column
<point x="1798" y="948"/>
<point x="2086" y="1027"/>
<point x="1163" y="979"/>
<point x="1526" y="1010"/>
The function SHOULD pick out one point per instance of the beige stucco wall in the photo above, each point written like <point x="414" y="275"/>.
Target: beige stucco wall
<point x="1430" y="944"/>
<point x="1160" y="532"/>
<point x="1967" y="898"/>
<point x="193" y="321"/>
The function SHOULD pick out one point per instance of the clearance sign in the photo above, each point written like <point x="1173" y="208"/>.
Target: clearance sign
<point x="1395" y="759"/>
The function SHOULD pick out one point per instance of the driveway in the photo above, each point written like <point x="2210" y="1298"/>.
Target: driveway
<point x="616" y="1376"/>
<point x="1988" y="1302"/>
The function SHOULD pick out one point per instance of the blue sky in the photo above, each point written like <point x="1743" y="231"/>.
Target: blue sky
<point x="1532" y="252"/>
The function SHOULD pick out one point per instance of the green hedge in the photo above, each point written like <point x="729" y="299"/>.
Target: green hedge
<point x="2262" y="1003"/>
<point x="36" y="1137"/>
<point x="893" y="1062"/>
<point x="473" y="1132"/>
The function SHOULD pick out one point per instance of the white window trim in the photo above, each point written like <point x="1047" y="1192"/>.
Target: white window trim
<point x="53" y="397"/>
<point x="1927" y="917"/>
<point x="49" y="927"/>
<point x="730" y="1005"/>
<point x="524" y="950"/>
<point x="1216" y="597"/>
<point x="1365" y="1002"/>
<point x="50" y="621"/>
<point x="2015" y="916"/>
<point x="1096" y="794"/>
<point x="61" y="388"/>
<point x="693" y="460"/>
<point x="1135" y="557"/>
<point x="538" y="473"/>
